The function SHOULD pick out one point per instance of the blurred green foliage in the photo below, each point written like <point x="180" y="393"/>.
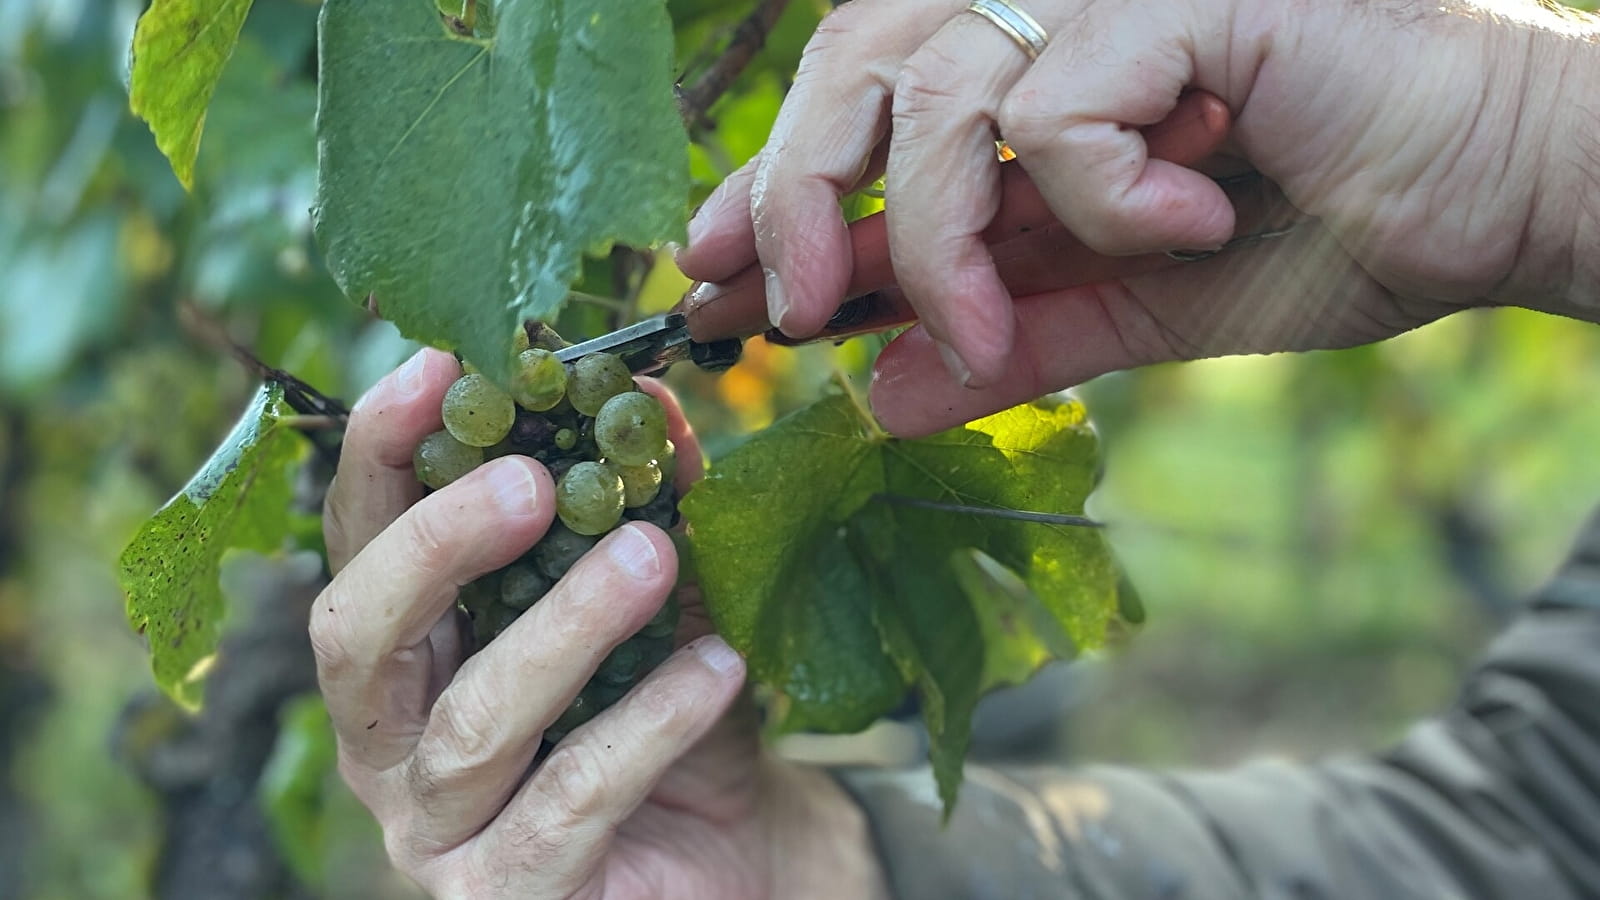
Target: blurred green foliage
<point x="1321" y="541"/>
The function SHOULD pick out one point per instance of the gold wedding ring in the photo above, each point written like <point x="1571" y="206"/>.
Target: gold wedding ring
<point x="1018" y="25"/>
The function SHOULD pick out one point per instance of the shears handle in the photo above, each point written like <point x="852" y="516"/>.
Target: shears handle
<point x="1032" y="251"/>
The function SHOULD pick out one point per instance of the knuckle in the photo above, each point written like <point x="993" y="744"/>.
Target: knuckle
<point x="400" y="845"/>
<point x="534" y="841"/>
<point x="396" y="845"/>
<point x="656" y="712"/>
<point x="329" y="633"/>
<point x="430" y="543"/>
<point x="926" y="82"/>
<point x="422" y="859"/>
<point x="462" y="736"/>
<point x="572" y="780"/>
<point x="476" y="876"/>
<point x="1028" y="120"/>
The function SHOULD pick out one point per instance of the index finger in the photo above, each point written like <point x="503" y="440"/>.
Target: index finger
<point x="375" y="482"/>
<point x="737" y="306"/>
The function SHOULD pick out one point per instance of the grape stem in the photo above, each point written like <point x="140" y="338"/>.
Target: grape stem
<point x="1019" y="515"/>
<point x="696" y="100"/>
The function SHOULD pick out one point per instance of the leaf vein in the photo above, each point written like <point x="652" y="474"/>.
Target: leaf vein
<point x="437" y="96"/>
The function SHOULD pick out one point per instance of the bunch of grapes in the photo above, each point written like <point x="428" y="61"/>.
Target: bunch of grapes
<point x="605" y="443"/>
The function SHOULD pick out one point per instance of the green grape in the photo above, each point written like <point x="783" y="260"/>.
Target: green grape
<point x="668" y="461"/>
<point x="605" y="445"/>
<point x="540" y="380"/>
<point x="661" y="512"/>
<point x="489" y="621"/>
<point x="478" y="413"/>
<point x="560" y="550"/>
<point x="521" y="585"/>
<point x="656" y="651"/>
<point x="631" y="429"/>
<point x="479" y="593"/>
<point x="480" y="598"/>
<point x="595" y="379"/>
<point x="531" y="433"/>
<point x="604" y="694"/>
<point x="585" y="432"/>
<point x="640" y="484"/>
<point x="441" y="459"/>
<point x="664" y="624"/>
<point x="504" y="448"/>
<point x="589" y="498"/>
<point x="520" y="341"/>
<point x="560" y="467"/>
<point x="622" y="665"/>
<point x="583" y="708"/>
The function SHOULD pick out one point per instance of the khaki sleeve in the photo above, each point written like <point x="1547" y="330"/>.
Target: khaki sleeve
<point x="1498" y="797"/>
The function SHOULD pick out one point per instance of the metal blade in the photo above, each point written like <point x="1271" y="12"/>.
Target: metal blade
<point x="652" y="346"/>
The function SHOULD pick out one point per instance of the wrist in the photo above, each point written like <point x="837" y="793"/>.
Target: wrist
<point x="1558" y="268"/>
<point x="818" y="837"/>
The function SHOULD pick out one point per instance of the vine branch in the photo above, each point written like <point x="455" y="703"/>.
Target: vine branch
<point x="317" y="414"/>
<point x="696" y="100"/>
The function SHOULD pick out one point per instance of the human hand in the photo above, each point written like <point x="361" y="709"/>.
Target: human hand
<point x="1420" y="178"/>
<point x="1032" y="251"/>
<point x="666" y="794"/>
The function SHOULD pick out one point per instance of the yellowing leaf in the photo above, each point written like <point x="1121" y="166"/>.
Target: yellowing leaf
<point x="179" y="50"/>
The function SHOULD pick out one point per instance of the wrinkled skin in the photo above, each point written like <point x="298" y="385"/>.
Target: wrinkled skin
<point x="1420" y="176"/>
<point x="665" y="795"/>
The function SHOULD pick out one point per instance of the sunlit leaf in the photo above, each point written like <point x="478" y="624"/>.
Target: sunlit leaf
<point x="179" y="50"/>
<point x="841" y="597"/>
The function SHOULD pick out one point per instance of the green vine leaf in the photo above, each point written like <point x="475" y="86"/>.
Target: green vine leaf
<point x="841" y="600"/>
<point x="464" y="201"/>
<point x="179" y="50"/>
<point x="170" y="570"/>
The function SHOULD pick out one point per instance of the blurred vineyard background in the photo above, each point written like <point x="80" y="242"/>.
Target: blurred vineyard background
<point x="1322" y="541"/>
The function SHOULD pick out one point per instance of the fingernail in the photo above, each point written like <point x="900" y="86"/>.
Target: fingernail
<point x="408" y="380"/>
<point x="516" y="491"/>
<point x="777" y="302"/>
<point x="879" y="384"/>
<point x="634" y="553"/>
<point x="705" y="292"/>
<point x="717" y="655"/>
<point x="673" y="248"/>
<point x="953" y="362"/>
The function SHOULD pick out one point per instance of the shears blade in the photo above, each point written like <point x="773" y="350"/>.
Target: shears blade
<point x="653" y="345"/>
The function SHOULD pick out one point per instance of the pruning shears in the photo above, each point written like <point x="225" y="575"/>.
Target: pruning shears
<point x="1033" y="253"/>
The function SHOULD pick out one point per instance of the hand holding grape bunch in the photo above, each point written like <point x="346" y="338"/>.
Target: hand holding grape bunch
<point x="665" y="794"/>
<point x="606" y="444"/>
